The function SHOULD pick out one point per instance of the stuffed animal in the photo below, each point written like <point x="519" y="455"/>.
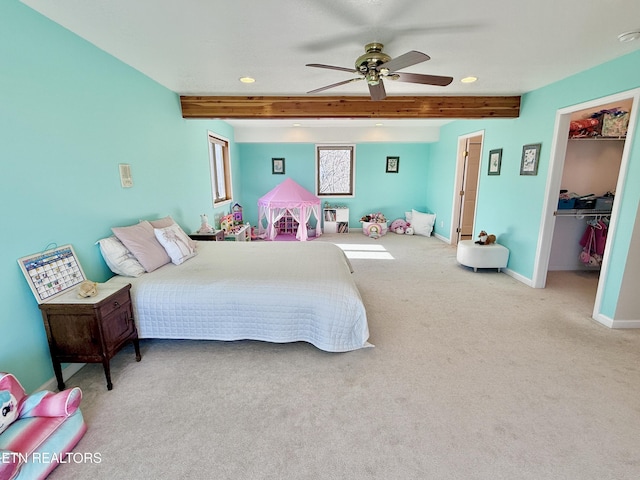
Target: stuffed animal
<point x="399" y="226"/>
<point x="205" y="227"/>
<point x="409" y="231"/>
<point x="486" y="239"/>
<point x="16" y="404"/>
<point x="87" y="289"/>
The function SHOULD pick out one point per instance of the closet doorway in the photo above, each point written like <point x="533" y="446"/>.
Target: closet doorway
<point x="585" y="166"/>
<point x="466" y="187"/>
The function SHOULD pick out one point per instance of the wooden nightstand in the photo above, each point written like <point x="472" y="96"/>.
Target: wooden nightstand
<point x="90" y="329"/>
<point x="217" y="236"/>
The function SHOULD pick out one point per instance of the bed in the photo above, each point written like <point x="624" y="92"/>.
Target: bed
<point x="269" y="291"/>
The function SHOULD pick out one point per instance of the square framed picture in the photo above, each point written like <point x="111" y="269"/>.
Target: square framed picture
<point x="277" y="166"/>
<point x="393" y="164"/>
<point x="530" y="158"/>
<point x="495" y="161"/>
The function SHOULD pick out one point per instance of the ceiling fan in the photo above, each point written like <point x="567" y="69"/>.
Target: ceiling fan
<point x="375" y="65"/>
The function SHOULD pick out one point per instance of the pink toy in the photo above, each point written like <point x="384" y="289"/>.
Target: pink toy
<point x="399" y="226"/>
<point x="205" y="227"/>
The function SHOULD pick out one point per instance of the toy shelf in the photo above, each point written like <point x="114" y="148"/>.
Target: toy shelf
<point x="336" y="220"/>
<point x="287" y="225"/>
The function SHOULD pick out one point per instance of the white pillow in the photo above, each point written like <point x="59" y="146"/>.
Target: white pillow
<point x="175" y="242"/>
<point x="167" y="222"/>
<point x="422" y="222"/>
<point x="118" y="258"/>
<point x="407" y="217"/>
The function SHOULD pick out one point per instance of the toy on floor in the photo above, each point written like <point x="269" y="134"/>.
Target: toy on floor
<point x="401" y="227"/>
<point x="486" y="239"/>
<point x="375" y="231"/>
<point x="16" y="404"/>
<point x="205" y="227"/>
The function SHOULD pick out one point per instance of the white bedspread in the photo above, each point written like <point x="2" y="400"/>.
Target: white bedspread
<point x="270" y="291"/>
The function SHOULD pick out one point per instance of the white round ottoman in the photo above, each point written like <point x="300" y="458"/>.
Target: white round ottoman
<point x="470" y="254"/>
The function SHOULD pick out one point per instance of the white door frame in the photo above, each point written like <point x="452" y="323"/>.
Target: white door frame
<point x="457" y="199"/>
<point x="554" y="179"/>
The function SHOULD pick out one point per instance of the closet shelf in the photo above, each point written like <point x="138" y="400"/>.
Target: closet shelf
<point x="589" y="212"/>
<point x="597" y="138"/>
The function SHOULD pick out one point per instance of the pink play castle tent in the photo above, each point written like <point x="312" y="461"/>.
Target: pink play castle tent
<point x="287" y="198"/>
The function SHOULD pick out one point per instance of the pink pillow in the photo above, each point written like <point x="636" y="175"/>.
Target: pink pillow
<point x="162" y="222"/>
<point x="142" y="243"/>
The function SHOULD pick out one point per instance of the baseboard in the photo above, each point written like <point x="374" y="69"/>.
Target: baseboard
<point x="67" y="373"/>
<point x="527" y="281"/>
<point x="611" y="323"/>
<point x="441" y="238"/>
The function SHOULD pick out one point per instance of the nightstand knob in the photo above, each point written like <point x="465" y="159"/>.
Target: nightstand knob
<point x="116" y="304"/>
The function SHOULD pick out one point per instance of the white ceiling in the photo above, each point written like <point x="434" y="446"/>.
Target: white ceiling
<point x="202" y="47"/>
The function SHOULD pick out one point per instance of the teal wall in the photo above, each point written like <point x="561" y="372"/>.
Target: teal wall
<point x="510" y="205"/>
<point x="69" y="115"/>
<point x="376" y="190"/>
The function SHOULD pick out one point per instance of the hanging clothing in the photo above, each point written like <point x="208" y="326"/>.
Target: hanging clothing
<point x="593" y="243"/>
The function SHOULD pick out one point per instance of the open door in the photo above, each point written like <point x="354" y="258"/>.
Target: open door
<point x="469" y="159"/>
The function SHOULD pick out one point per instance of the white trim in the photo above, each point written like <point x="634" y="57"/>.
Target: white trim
<point x="624" y="323"/>
<point x="517" y="276"/>
<point x="443" y="239"/>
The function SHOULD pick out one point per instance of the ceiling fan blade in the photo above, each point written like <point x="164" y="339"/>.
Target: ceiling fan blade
<point x="377" y="91"/>
<point x="420" y="78"/>
<point x="403" y="61"/>
<point x="331" y="67"/>
<point x="344" y="82"/>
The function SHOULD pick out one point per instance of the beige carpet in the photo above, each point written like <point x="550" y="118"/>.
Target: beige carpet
<point x="473" y="376"/>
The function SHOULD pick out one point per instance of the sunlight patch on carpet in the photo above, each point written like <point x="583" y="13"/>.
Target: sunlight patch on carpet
<point x="366" y="251"/>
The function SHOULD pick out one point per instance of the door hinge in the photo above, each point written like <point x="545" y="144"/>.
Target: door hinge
<point x="458" y="230"/>
<point x="461" y="193"/>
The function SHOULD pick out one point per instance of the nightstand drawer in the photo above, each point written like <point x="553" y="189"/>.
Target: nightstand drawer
<point x="118" y="301"/>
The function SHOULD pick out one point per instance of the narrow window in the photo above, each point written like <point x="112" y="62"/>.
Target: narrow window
<point x="334" y="170"/>
<point x="220" y="169"/>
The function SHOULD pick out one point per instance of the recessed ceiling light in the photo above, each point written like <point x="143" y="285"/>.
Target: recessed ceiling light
<point x="628" y="36"/>
<point x="379" y="124"/>
<point x="469" y="79"/>
<point x="247" y="79"/>
<point x="296" y="124"/>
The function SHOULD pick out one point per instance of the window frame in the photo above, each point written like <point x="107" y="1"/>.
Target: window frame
<point x="214" y="139"/>
<point x="352" y="169"/>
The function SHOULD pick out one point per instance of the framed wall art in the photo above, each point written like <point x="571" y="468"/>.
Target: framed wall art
<point x="495" y="161"/>
<point x="277" y="166"/>
<point x="530" y="158"/>
<point x="393" y="164"/>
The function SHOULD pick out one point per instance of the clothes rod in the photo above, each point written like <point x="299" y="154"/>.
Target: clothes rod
<point x="582" y="213"/>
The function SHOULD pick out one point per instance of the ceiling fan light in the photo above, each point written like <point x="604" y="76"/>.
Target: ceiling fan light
<point x="469" y="79"/>
<point x="628" y="36"/>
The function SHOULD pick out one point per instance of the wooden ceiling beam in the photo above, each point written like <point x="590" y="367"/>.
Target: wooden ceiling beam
<point x="349" y="107"/>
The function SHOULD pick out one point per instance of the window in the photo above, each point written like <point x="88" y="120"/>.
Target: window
<point x="334" y="170"/>
<point x="220" y="169"/>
